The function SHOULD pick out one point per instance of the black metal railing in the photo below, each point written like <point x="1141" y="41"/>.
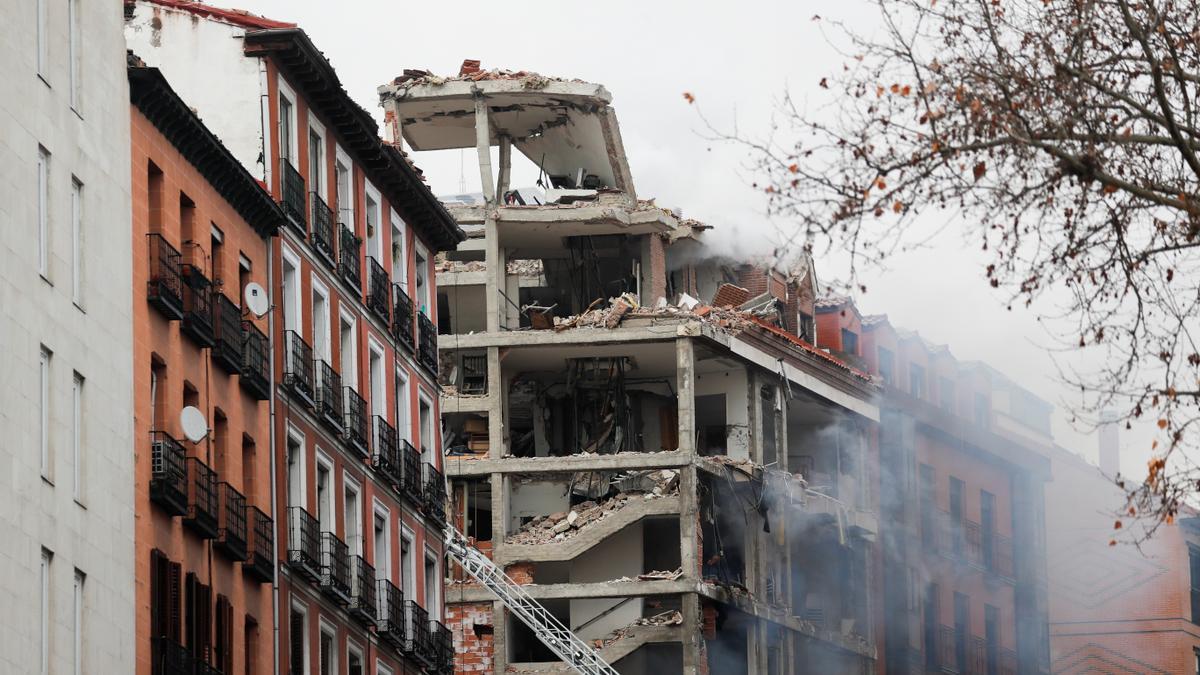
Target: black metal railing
<point x="293" y="196"/>
<point x="1002" y="558"/>
<point x="164" y="290"/>
<point x="329" y="396"/>
<point x="435" y="494"/>
<point x="411" y="486"/>
<point x="202" y="512"/>
<point x="418" y="643"/>
<point x="231" y="521"/>
<point x="947" y="652"/>
<point x="443" y="647"/>
<point x="197" y="306"/>
<point x="335" y="568"/>
<point x="348" y="262"/>
<point x="357" y="423"/>
<point x="260" y="563"/>
<point x="256" y="362"/>
<point x="385" y="451"/>
<point x="298" y="370"/>
<point x="304" y="543"/>
<point x="402" y="318"/>
<point x="227" y="329"/>
<point x="203" y="668"/>
<point x="323" y="222"/>
<point x="170" y="658"/>
<point x="389" y="624"/>
<point x="378" y="290"/>
<point x="1008" y="662"/>
<point x="427" y="350"/>
<point x="168" y="473"/>
<point x="362" y="591"/>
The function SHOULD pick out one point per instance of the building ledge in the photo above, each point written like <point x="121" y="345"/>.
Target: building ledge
<point x="623" y="461"/>
<point x="600" y="589"/>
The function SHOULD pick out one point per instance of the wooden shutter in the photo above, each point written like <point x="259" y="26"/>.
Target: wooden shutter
<point x="223" y="638"/>
<point x="174" y="575"/>
<point x="296" y="635"/>
<point x="189" y="616"/>
<point x="158" y="594"/>
<point x="204" y="622"/>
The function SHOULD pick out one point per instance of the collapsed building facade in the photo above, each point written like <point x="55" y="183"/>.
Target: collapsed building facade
<point x="686" y="485"/>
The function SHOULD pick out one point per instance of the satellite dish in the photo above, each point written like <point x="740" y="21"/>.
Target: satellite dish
<point x="256" y="299"/>
<point x="195" y="427"/>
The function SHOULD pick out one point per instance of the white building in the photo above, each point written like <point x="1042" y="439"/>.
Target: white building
<point x="66" y="488"/>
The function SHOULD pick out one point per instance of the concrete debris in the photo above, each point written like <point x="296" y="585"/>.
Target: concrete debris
<point x="472" y="72"/>
<point x="564" y="524"/>
<point x="668" y="618"/>
<point x="525" y="268"/>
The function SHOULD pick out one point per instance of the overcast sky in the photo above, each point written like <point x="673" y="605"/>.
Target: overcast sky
<point x="736" y="58"/>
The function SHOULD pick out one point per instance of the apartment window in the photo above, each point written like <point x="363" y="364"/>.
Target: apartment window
<point x="287" y="127"/>
<point x="320" y="320"/>
<point x="382" y="543"/>
<point x="73" y="52"/>
<point x="1194" y="568"/>
<point x="44" y="614"/>
<point x="249" y="462"/>
<point x="291" y="292"/>
<point x="375" y="372"/>
<point x="962" y="627"/>
<point x="425" y="419"/>
<point x="295" y="470"/>
<point x="164" y="596"/>
<point x="46" y="458"/>
<point x="349" y="353"/>
<point x="956" y="514"/>
<point x="807" y="327"/>
<point x="354" y="661"/>
<point x="987" y="526"/>
<point x="216" y="243"/>
<point x="946" y="394"/>
<point x="928" y="496"/>
<point x="352" y="511"/>
<point x="197" y="616"/>
<point x="298" y="650"/>
<point x="77" y="612"/>
<point x="931" y="623"/>
<point x="324" y="495"/>
<point x="77" y="437"/>
<point x="381" y="669"/>
<point x="431" y="585"/>
<point x="43" y="41"/>
<point x="345" y="200"/>
<point x="43" y="209"/>
<point x="316" y="160"/>
<point x="328" y="652"/>
<point x="76" y="240"/>
<point x="849" y="342"/>
<point x="887" y="366"/>
<point x="219" y="441"/>
<point x="222" y="653"/>
<point x="408" y="571"/>
<point x="399" y="273"/>
<point x="250" y="645"/>
<point x="421" y="263"/>
<point x="991" y="637"/>
<point x="374" y="240"/>
<point x="402" y="407"/>
<point x="916" y="380"/>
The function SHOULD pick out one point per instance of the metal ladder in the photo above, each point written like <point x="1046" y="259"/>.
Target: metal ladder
<point x="565" y="644"/>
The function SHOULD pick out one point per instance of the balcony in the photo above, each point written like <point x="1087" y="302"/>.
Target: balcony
<point x="1008" y="662"/>
<point x="231" y="522"/>
<point x="197" y="306"/>
<point x="443" y="647"/>
<point x="389" y="625"/>
<point x="202" y="508"/>
<point x="260" y="563"/>
<point x="427" y="351"/>
<point x="256" y="362"/>
<point x="1001" y="559"/>
<point x="335" y="568"/>
<point x="298" y="368"/>
<point x="378" y="291"/>
<point x="329" y="397"/>
<point x="402" y="318"/>
<point x="419" y="643"/>
<point x="411" y="486"/>
<point x="362" y="591"/>
<point x="227" y="329"/>
<point x="168" y="474"/>
<point x="293" y="197"/>
<point x="357" y="423"/>
<point x="304" y="543"/>
<point x="164" y="289"/>
<point x="435" y="494"/>
<point x="948" y="658"/>
<point x="348" y="262"/>
<point x="386" y="452"/>
<point x="170" y="658"/>
<point x="323" y="222"/>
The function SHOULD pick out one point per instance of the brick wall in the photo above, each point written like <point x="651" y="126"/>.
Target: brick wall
<point x="474" y="639"/>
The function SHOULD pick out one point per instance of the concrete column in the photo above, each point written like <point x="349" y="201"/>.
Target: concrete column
<point x="499" y="638"/>
<point x="497" y="393"/>
<point x="654" y="269"/>
<point x="483" y="147"/>
<point x="754" y="415"/>
<point x="692" y="654"/>
<point x="685" y="386"/>
<point x="505" y="166"/>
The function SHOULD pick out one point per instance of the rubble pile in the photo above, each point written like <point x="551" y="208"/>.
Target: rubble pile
<point x="654" y="575"/>
<point x="471" y="72"/>
<point x="668" y="618"/>
<point x="562" y="525"/>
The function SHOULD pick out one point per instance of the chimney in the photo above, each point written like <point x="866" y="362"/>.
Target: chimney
<point x="1110" y="452"/>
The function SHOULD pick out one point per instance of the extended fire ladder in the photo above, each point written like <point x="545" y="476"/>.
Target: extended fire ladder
<point x="565" y="644"/>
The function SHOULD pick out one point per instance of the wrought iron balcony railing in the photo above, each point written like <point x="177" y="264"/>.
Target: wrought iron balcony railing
<point x="293" y="197"/>
<point x="357" y="423"/>
<point x="427" y="350"/>
<point x="1002" y="559"/>
<point x="202" y="512"/>
<point x="362" y="591"/>
<point x="335" y="568"/>
<point x="412" y="487"/>
<point x="168" y="473"/>
<point x="261" y="561"/>
<point x="298" y="368"/>
<point x="378" y="290"/>
<point x="402" y="318"/>
<point x="386" y="452"/>
<point x="164" y="289"/>
<point x="348" y="262"/>
<point x="197" y="306"/>
<point x="231" y="522"/>
<point x="443" y="646"/>
<point x="304" y="543"/>
<point x="256" y="362"/>
<point x="389" y="624"/>
<point x="227" y="329"/>
<point x="329" y="396"/>
<point x="170" y="658"/>
<point x="418" y="642"/>
<point x="323" y="222"/>
<point x="435" y="493"/>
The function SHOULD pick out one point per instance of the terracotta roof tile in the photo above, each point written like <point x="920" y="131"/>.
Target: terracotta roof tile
<point x="238" y="17"/>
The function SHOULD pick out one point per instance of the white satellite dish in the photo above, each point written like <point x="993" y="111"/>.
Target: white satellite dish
<point x="255" y="297"/>
<point x="195" y="427"/>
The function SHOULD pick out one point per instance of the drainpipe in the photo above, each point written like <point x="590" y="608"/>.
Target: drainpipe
<point x="271" y="454"/>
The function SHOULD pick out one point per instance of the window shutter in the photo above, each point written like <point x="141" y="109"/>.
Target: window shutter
<point x="158" y="585"/>
<point x="204" y="593"/>
<point x="174" y="574"/>
<point x="189" y="616"/>
<point x="296" y="664"/>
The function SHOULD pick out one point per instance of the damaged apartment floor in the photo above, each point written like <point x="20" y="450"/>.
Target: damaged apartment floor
<point x="564" y="524"/>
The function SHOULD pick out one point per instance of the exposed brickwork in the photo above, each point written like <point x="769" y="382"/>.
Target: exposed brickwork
<point x="520" y="573"/>
<point x="474" y="639"/>
<point x="658" y="269"/>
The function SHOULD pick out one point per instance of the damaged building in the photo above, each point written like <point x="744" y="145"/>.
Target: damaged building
<point x="640" y="431"/>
